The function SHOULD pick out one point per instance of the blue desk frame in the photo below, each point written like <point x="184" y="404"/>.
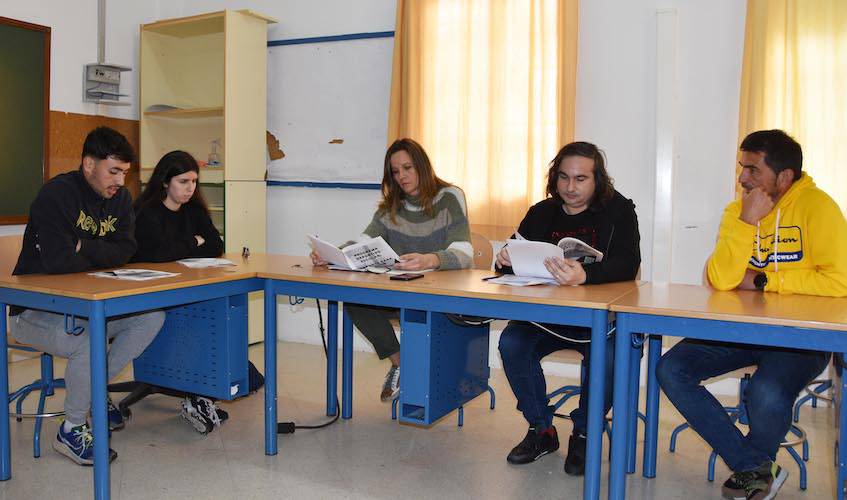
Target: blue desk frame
<point x="97" y="312"/>
<point x="728" y="331"/>
<point x="596" y="319"/>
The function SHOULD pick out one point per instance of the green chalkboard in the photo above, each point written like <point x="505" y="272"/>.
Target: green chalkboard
<point x="24" y="114"/>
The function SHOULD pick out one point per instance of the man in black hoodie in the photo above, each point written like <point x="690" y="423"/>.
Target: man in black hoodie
<point x="80" y="221"/>
<point x="582" y="204"/>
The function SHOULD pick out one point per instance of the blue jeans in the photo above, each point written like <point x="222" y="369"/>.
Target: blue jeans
<point x="522" y="347"/>
<point x="780" y="376"/>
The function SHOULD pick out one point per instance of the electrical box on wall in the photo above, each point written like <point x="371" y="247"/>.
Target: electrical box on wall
<point x="102" y="84"/>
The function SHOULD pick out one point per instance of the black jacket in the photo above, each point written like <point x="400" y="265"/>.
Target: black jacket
<point x="66" y="211"/>
<point x="611" y="227"/>
<point x="164" y="235"/>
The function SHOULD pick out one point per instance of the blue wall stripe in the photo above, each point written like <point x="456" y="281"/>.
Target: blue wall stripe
<point x="333" y="38"/>
<point x="330" y="185"/>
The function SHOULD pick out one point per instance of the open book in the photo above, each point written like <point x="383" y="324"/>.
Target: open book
<point x="528" y="256"/>
<point x="356" y="257"/>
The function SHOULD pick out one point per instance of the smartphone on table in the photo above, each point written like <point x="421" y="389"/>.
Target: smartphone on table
<point x="406" y="276"/>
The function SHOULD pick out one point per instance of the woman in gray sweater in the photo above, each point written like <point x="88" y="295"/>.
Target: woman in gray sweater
<point x="425" y="220"/>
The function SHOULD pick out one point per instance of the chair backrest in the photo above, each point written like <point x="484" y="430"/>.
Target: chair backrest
<point x="10" y="248"/>
<point x="483" y="252"/>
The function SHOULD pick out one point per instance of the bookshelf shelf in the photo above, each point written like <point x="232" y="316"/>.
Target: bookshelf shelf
<point x="212" y="69"/>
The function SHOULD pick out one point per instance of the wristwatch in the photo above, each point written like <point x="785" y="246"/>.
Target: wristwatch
<point x="760" y="281"/>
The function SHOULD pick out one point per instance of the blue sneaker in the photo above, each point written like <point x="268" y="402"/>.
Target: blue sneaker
<point x="116" y="418"/>
<point x="78" y="444"/>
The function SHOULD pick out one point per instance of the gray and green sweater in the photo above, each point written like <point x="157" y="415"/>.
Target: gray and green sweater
<point x="446" y="233"/>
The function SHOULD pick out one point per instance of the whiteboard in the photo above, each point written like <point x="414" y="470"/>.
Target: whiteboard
<point x="320" y="93"/>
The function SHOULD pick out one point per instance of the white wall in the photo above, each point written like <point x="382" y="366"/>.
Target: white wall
<point x="73" y="44"/>
<point x="616" y="102"/>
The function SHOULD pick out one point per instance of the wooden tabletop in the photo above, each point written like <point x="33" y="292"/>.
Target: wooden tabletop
<point x="703" y="302"/>
<point x="84" y="286"/>
<point x="463" y="283"/>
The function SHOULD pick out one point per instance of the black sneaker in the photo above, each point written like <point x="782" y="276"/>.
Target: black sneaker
<point x="575" y="461"/>
<point x="761" y="483"/>
<point x="534" y="446"/>
<point x="202" y="413"/>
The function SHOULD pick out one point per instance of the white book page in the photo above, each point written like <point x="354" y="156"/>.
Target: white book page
<point x="528" y="257"/>
<point x="374" y="252"/>
<point x="329" y="253"/>
<point x="579" y="250"/>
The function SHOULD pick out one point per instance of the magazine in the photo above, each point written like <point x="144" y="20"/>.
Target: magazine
<point x="374" y="252"/>
<point x="528" y="256"/>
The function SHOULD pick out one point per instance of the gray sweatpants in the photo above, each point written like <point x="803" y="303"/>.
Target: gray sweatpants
<point x="46" y="331"/>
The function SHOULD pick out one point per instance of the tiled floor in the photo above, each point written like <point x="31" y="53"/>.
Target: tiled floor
<point x="370" y="456"/>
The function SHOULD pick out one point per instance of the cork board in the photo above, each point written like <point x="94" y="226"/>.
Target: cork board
<point x="67" y="133"/>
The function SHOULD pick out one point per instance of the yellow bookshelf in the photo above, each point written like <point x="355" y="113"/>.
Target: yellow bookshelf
<point x="203" y="79"/>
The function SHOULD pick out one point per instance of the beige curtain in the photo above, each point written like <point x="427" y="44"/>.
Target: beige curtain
<point x="795" y="78"/>
<point x="488" y="88"/>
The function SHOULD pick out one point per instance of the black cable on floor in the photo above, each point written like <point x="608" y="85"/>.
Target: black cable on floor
<point x="290" y="427"/>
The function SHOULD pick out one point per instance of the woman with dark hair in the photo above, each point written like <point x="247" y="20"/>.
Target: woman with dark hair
<point x="172" y="223"/>
<point x="582" y="203"/>
<point x="172" y="219"/>
<point x="425" y="220"/>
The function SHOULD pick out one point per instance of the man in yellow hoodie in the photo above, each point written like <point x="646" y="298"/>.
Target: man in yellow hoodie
<point x="784" y="235"/>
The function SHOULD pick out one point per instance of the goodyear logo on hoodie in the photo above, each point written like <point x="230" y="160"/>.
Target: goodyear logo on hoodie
<point x="94" y="226"/>
<point x="787" y="248"/>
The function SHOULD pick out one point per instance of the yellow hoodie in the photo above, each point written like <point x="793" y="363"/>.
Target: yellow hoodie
<point x="801" y="245"/>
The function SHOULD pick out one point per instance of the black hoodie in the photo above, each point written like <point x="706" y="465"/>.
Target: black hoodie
<point x="66" y="211"/>
<point x="611" y="227"/>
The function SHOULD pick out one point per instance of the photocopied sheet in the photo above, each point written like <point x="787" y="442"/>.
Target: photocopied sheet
<point x="513" y="280"/>
<point x="133" y="274"/>
<point x="202" y="262"/>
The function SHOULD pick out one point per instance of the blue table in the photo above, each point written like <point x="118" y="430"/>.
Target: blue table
<point x="795" y="321"/>
<point x="461" y="292"/>
<point x="99" y="299"/>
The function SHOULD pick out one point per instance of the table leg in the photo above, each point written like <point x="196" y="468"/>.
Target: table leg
<point x="270" y="369"/>
<point x="596" y="419"/>
<point x="100" y="422"/>
<point x="5" y="442"/>
<point x="634" y="390"/>
<point x="622" y="409"/>
<point x="651" y="429"/>
<point x="331" y="357"/>
<point x="347" y="369"/>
